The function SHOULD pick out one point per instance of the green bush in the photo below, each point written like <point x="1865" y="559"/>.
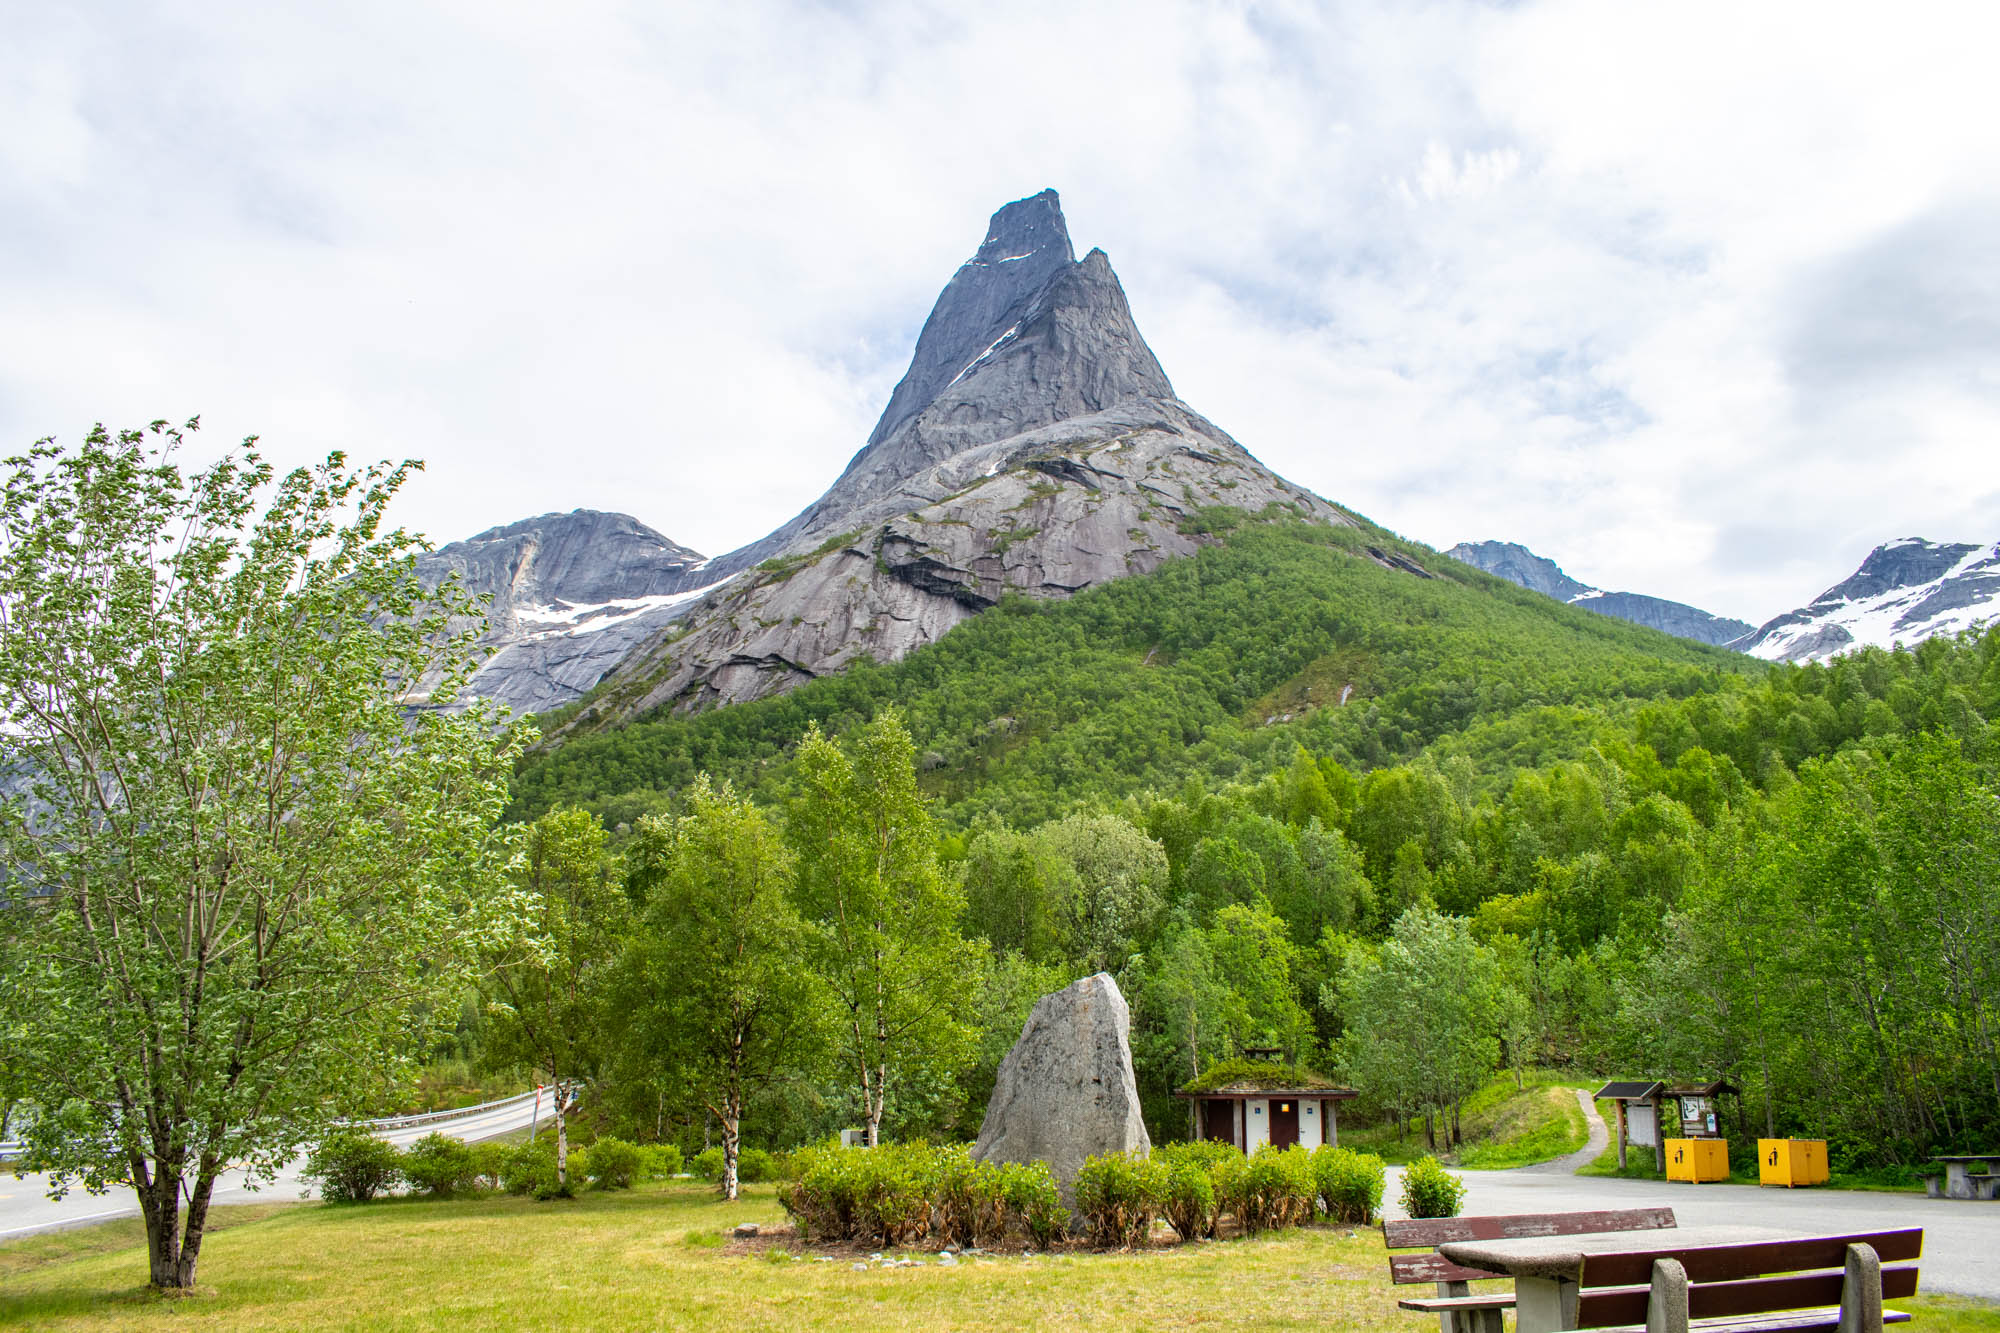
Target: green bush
<point x="754" y="1165"/>
<point x="707" y="1164"/>
<point x="614" y="1164"/>
<point x="1034" y="1203"/>
<point x="1350" y="1184"/>
<point x="660" y="1161"/>
<point x="489" y="1164"/>
<point x="1277" y="1189"/>
<point x="531" y="1169"/>
<point x="353" y="1166"/>
<point x="1118" y="1195"/>
<point x="822" y="1198"/>
<point x="439" y="1166"/>
<point x="1204" y="1153"/>
<point x="1230" y="1177"/>
<point x="894" y="1192"/>
<point x="1189" y="1206"/>
<point x="972" y="1206"/>
<point x="1431" y="1191"/>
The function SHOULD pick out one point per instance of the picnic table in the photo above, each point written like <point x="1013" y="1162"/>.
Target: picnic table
<point x="1545" y="1268"/>
<point x="1958" y="1178"/>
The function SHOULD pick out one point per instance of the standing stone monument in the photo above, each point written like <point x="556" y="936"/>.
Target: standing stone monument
<point x="1065" y="1092"/>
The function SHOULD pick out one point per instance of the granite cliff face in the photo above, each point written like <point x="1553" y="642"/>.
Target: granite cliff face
<point x="1034" y="446"/>
<point x="1517" y="564"/>
<point x="1906" y="591"/>
<point x="570" y="596"/>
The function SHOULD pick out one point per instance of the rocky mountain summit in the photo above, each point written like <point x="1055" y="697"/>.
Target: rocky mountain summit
<point x="569" y="597"/>
<point x="1034" y="446"/>
<point x="1517" y="564"/>
<point x="1905" y="591"/>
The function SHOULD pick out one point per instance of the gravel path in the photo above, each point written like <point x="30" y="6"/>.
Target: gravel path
<point x="1600" y="1137"/>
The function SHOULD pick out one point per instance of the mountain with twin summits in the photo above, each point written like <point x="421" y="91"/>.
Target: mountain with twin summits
<point x="569" y="596"/>
<point x="1517" y="564"/>
<point x="1034" y="447"/>
<point x="1905" y="592"/>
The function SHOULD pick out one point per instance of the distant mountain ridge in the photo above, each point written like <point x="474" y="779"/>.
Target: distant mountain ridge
<point x="1905" y="591"/>
<point x="569" y="597"/>
<point x="1517" y="564"/>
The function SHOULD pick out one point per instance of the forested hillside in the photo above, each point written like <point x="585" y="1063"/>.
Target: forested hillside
<point x="1212" y="667"/>
<point x="1554" y="838"/>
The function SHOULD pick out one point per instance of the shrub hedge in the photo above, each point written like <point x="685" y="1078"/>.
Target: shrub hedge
<point x="353" y="1166"/>
<point x="1118" y="1195"/>
<point x="1431" y="1191"/>
<point x="439" y="1166"/>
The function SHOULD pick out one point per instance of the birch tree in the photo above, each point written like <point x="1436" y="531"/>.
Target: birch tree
<point x="546" y="983"/>
<point x="238" y="873"/>
<point x="712" y="993"/>
<point x="884" y="914"/>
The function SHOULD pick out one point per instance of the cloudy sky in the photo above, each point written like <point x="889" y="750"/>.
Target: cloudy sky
<point x="1700" y="299"/>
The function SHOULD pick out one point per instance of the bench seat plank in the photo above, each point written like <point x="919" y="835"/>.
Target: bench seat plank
<point x="1442" y="1304"/>
<point x="1787" y="1321"/>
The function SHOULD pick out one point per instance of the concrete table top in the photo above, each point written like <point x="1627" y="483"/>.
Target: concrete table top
<point x="1561" y="1257"/>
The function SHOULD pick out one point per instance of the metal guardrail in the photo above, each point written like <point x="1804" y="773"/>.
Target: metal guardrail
<point x="12" y="1148"/>
<point x="438" y="1117"/>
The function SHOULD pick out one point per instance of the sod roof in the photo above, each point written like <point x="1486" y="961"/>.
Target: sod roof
<point x="1258" y="1076"/>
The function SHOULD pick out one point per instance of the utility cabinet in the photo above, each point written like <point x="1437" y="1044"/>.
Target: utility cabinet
<point x="1697" y="1160"/>
<point x="1791" y="1162"/>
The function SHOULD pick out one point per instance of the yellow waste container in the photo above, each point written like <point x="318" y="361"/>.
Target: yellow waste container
<point x="1697" y="1159"/>
<point x="1791" y="1162"/>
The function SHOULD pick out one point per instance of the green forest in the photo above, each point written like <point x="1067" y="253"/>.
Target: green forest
<point x="1409" y="831"/>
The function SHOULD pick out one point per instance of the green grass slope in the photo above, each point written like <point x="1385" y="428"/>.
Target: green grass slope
<point x="1213" y="666"/>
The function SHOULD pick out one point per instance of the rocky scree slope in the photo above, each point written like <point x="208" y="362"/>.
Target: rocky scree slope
<point x="569" y="597"/>
<point x="1905" y="591"/>
<point x="1517" y="564"/>
<point x="1034" y="446"/>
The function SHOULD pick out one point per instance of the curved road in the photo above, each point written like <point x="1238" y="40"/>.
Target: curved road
<point x="25" y="1207"/>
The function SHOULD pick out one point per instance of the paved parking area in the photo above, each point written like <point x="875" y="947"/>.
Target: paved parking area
<point x="1961" y="1239"/>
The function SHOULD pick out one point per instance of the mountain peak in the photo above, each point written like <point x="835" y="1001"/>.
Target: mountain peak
<point x="1027" y="243"/>
<point x="1905" y="591"/>
<point x="1024" y="228"/>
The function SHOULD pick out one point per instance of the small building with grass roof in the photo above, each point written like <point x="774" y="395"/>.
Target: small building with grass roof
<point x="1254" y="1101"/>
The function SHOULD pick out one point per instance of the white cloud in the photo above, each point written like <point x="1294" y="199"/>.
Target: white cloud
<point x="1536" y="272"/>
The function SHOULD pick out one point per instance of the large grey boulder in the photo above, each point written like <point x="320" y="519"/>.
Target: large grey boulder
<point x="1065" y="1091"/>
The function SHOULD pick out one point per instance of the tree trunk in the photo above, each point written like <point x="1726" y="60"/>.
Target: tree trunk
<point x="562" y="1135"/>
<point x="171" y="1259"/>
<point x="732" y="1121"/>
<point x="1430" y="1131"/>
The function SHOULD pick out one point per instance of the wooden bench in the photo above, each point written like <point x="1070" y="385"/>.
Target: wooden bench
<point x="1457" y="1309"/>
<point x="1834" y="1283"/>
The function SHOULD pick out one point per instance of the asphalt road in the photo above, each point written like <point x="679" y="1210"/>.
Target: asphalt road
<point x="25" y="1207"/>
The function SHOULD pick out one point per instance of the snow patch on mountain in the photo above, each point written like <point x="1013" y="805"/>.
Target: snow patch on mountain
<point x="1906" y="591"/>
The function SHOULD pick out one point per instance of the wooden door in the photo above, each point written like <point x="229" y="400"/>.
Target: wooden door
<point x="1284" y="1123"/>
<point x="1218" y="1121"/>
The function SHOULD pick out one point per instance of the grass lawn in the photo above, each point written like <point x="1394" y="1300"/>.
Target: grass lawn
<point x="656" y="1258"/>
<point x="1503" y="1126"/>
